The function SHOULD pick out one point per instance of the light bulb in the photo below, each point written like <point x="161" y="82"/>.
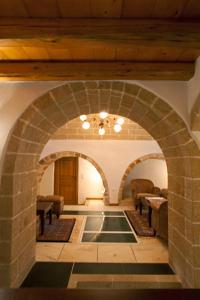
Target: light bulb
<point x="120" y="121"/>
<point x="83" y="118"/>
<point x="117" y="128"/>
<point x="86" y="125"/>
<point x="103" y="114"/>
<point x="101" y="131"/>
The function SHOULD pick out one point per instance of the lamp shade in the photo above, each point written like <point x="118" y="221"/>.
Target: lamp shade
<point x="117" y="128"/>
<point x="83" y="118"/>
<point x="103" y="114"/>
<point x="86" y="125"/>
<point x="120" y="121"/>
<point x="102" y="131"/>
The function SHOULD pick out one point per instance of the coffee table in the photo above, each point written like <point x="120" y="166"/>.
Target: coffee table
<point x="44" y="208"/>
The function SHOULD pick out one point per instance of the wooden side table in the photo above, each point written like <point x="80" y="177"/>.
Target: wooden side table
<point x="44" y="208"/>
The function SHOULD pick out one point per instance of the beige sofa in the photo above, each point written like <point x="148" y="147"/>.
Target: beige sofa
<point x="58" y="202"/>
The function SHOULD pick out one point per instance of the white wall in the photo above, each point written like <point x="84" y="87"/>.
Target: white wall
<point x="194" y="86"/>
<point x="173" y="92"/>
<point x="46" y="186"/>
<point x="112" y="156"/>
<point x="15" y="97"/>
<point x="90" y="183"/>
<point x="153" y="169"/>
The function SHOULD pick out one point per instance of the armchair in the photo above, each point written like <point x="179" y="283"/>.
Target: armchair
<point x="142" y="188"/>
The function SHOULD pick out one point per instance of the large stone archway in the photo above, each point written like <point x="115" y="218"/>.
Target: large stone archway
<point x="34" y="128"/>
<point x="131" y="166"/>
<point x="195" y="115"/>
<point x="47" y="160"/>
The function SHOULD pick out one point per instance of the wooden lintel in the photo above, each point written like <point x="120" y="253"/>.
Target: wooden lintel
<point x="49" y="32"/>
<point x="34" y="71"/>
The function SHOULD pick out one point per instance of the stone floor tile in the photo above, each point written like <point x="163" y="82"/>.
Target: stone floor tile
<point x="48" y="251"/>
<point x="115" y="253"/>
<point x="151" y="254"/>
<point x="79" y="253"/>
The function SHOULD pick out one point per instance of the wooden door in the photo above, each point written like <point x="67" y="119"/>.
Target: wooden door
<point x="66" y="179"/>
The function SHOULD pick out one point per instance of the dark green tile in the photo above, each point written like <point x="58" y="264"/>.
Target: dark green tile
<point x="93" y="213"/>
<point x="94" y="285"/>
<point x="134" y="285"/>
<point x="107" y="224"/>
<point x="98" y="268"/>
<point x="109" y="237"/>
<point x="81" y="212"/>
<point x="115" y="224"/>
<point x="123" y="268"/>
<point x="48" y="274"/>
<point x="145" y="285"/>
<point x="113" y="213"/>
<point x="147" y="269"/>
<point x="93" y="224"/>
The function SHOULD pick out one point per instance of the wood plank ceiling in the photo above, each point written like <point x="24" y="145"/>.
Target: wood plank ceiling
<point x="124" y="34"/>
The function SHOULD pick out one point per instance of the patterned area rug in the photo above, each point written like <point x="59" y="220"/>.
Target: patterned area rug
<point x="139" y="223"/>
<point x="59" y="231"/>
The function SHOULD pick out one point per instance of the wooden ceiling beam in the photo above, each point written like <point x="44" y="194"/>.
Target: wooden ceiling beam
<point x="67" y="32"/>
<point x="33" y="71"/>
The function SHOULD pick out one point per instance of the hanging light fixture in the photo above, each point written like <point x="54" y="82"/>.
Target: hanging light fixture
<point x="83" y="118"/>
<point x="120" y="121"/>
<point x="102" y="131"/>
<point x="103" y="114"/>
<point x="102" y="121"/>
<point x="86" y="125"/>
<point x="117" y="127"/>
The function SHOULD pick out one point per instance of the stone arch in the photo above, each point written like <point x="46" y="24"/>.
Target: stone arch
<point x="131" y="166"/>
<point x="47" y="160"/>
<point x="52" y="110"/>
<point x="195" y="115"/>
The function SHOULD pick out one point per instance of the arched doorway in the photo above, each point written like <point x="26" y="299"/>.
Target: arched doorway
<point x="34" y="128"/>
<point x="46" y="161"/>
<point x="131" y="166"/>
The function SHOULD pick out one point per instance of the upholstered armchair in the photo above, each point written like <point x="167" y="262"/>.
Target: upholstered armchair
<point x="142" y="188"/>
<point x="58" y="202"/>
<point x="164" y="193"/>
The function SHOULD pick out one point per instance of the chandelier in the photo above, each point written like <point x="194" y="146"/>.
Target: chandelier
<point x="102" y="121"/>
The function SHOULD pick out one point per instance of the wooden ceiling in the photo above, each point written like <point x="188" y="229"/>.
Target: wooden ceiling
<point x="156" y="9"/>
<point x="99" y="39"/>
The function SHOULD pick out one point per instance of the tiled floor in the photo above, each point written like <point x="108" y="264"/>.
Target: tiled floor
<point x="146" y="250"/>
<point x="101" y="275"/>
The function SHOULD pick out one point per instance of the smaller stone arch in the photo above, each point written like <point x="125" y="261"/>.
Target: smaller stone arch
<point x="51" y="158"/>
<point x="130" y="167"/>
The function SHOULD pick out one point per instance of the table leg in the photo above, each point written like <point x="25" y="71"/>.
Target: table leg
<point x="140" y="207"/>
<point x="50" y="216"/>
<point x="42" y="222"/>
<point x="149" y="215"/>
